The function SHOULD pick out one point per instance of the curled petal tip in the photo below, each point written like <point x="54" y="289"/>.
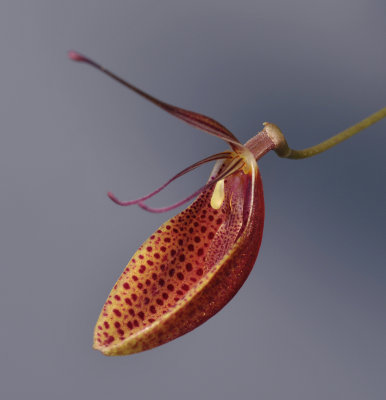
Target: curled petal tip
<point x="121" y="203"/>
<point x="112" y="197"/>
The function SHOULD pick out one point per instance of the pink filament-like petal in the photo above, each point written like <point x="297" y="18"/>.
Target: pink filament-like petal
<point x="173" y="206"/>
<point x="218" y="156"/>
<point x="233" y="167"/>
<point x="199" y="121"/>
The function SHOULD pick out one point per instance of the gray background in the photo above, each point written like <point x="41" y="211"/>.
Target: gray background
<point x="310" y="321"/>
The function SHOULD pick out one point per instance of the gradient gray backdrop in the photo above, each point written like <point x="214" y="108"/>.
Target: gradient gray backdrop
<point x="310" y="321"/>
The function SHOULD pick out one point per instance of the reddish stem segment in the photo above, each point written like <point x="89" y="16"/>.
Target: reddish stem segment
<point x="260" y="144"/>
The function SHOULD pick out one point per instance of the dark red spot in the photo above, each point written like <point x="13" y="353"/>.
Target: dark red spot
<point x="161" y="282"/>
<point x="117" y="297"/>
<point x="154" y="276"/>
<point x="156" y="255"/>
<point x="180" y="292"/>
<point x="152" y="309"/>
<point x="117" y="324"/>
<point x="219" y="221"/>
<point x="128" y="301"/>
<point x="140" y="285"/>
<point x="151" y="320"/>
<point x="190" y="247"/>
<point x="211" y="218"/>
<point x="168" y="227"/>
<point x="167" y="240"/>
<point x="141" y="256"/>
<point x="110" y="339"/>
<point x="152" y="236"/>
<point x="100" y="328"/>
<point x="163" y="248"/>
<point x="182" y="258"/>
<point x="106" y="324"/>
<point x="134" y="297"/>
<point x="126" y="285"/>
<point x="185" y="287"/>
<point x="131" y="312"/>
<point x="171" y="272"/>
<point x="148" y="282"/>
<point x="130" y="325"/>
<point x="165" y="296"/>
<point x="149" y="262"/>
<point x="135" y="277"/>
<point x="196" y="224"/>
<point x="191" y="230"/>
<point x="117" y="312"/>
<point x="121" y="332"/>
<point x="180" y="276"/>
<point x="149" y="248"/>
<point x="163" y="267"/>
<point x="159" y="302"/>
<point x="203" y="229"/>
<point x="146" y="300"/>
<point x="200" y="271"/>
<point x="211" y="235"/>
<point x="135" y="322"/>
<point x="197" y="239"/>
<point x="200" y="252"/>
<point x="141" y="315"/>
<point x="189" y="267"/>
<point x="170" y="287"/>
<point x="142" y="269"/>
<point x="173" y="253"/>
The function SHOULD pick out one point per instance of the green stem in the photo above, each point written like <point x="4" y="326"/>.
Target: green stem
<point x="283" y="150"/>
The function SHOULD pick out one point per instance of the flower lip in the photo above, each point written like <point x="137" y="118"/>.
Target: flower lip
<point x="199" y="258"/>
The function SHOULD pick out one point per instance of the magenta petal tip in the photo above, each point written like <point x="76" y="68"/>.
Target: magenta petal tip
<point x="73" y="55"/>
<point x="120" y="203"/>
<point x="112" y="197"/>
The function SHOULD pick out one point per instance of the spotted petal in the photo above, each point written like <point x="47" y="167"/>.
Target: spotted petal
<point x="186" y="271"/>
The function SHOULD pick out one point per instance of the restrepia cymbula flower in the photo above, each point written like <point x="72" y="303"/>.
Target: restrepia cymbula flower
<point x="190" y="267"/>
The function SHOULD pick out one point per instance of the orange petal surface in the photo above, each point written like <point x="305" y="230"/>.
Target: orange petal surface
<point x="186" y="271"/>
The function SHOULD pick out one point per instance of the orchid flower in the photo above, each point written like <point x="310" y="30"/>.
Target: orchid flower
<point x="193" y="265"/>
